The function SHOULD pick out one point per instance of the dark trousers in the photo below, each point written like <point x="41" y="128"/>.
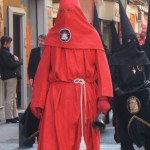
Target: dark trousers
<point x="127" y="145"/>
<point x="29" y="143"/>
<point x="126" y="142"/>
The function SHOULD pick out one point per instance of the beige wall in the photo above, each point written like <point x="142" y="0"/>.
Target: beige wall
<point x="108" y="11"/>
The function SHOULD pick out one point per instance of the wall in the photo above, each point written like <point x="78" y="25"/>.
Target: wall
<point x="45" y="19"/>
<point x="132" y="12"/>
<point x="2" y="115"/>
<point x="6" y="3"/>
<point x="48" y="15"/>
<point x="111" y="13"/>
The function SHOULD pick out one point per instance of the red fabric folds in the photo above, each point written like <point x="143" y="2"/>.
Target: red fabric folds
<point x="72" y="50"/>
<point x="55" y="92"/>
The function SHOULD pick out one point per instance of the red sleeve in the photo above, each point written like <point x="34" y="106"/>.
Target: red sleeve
<point x="41" y="82"/>
<point x="104" y="88"/>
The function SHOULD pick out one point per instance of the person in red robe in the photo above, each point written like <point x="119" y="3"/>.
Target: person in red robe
<point x="65" y="95"/>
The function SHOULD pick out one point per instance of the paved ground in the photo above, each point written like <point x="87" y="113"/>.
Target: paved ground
<point x="107" y="141"/>
<point x="9" y="138"/>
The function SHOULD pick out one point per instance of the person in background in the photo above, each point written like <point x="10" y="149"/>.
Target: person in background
<point x="34" y="59"/>
<point x="9" y="74"/>
<point x="142" y="38"/>
<point x="138" y="37"/>
<point x="29" y="122"/>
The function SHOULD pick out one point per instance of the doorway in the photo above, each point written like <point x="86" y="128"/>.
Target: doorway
<point x="17" y="30"/>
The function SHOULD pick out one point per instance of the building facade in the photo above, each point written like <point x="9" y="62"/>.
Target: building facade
<point x="137" y="11"/>
<point x="23" y="20"/>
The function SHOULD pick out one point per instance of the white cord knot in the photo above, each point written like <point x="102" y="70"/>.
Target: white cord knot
<point x="79" y="80"/>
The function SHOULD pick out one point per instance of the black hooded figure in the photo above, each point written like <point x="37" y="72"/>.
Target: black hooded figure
<point x="130" y="74"/>
<point x="115" y="46"/>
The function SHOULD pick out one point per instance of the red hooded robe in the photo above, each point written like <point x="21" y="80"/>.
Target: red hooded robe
<point x="73" y="50"/>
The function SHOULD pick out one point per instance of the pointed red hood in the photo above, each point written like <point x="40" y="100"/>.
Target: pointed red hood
<point x="72" y="29"/>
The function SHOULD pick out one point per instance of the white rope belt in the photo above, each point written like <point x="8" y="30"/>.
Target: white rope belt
<point x="83" y="87"/>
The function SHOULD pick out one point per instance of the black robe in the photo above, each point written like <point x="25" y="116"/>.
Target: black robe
<point x="129" y="78"/>
<point x="131" y="81"/>
<point x="30" y="124"/>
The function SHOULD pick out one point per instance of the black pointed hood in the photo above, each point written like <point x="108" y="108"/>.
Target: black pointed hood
<point x="126" y="27"/>
<point x="115" y="38"/>
<point x="130" y="52"/>
<point x="146" y="46"/>
<point x="97" y="26"/>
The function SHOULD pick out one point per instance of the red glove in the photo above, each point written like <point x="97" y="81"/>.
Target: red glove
<point x="103" y="105"/>
<point x="37" y="112"/>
